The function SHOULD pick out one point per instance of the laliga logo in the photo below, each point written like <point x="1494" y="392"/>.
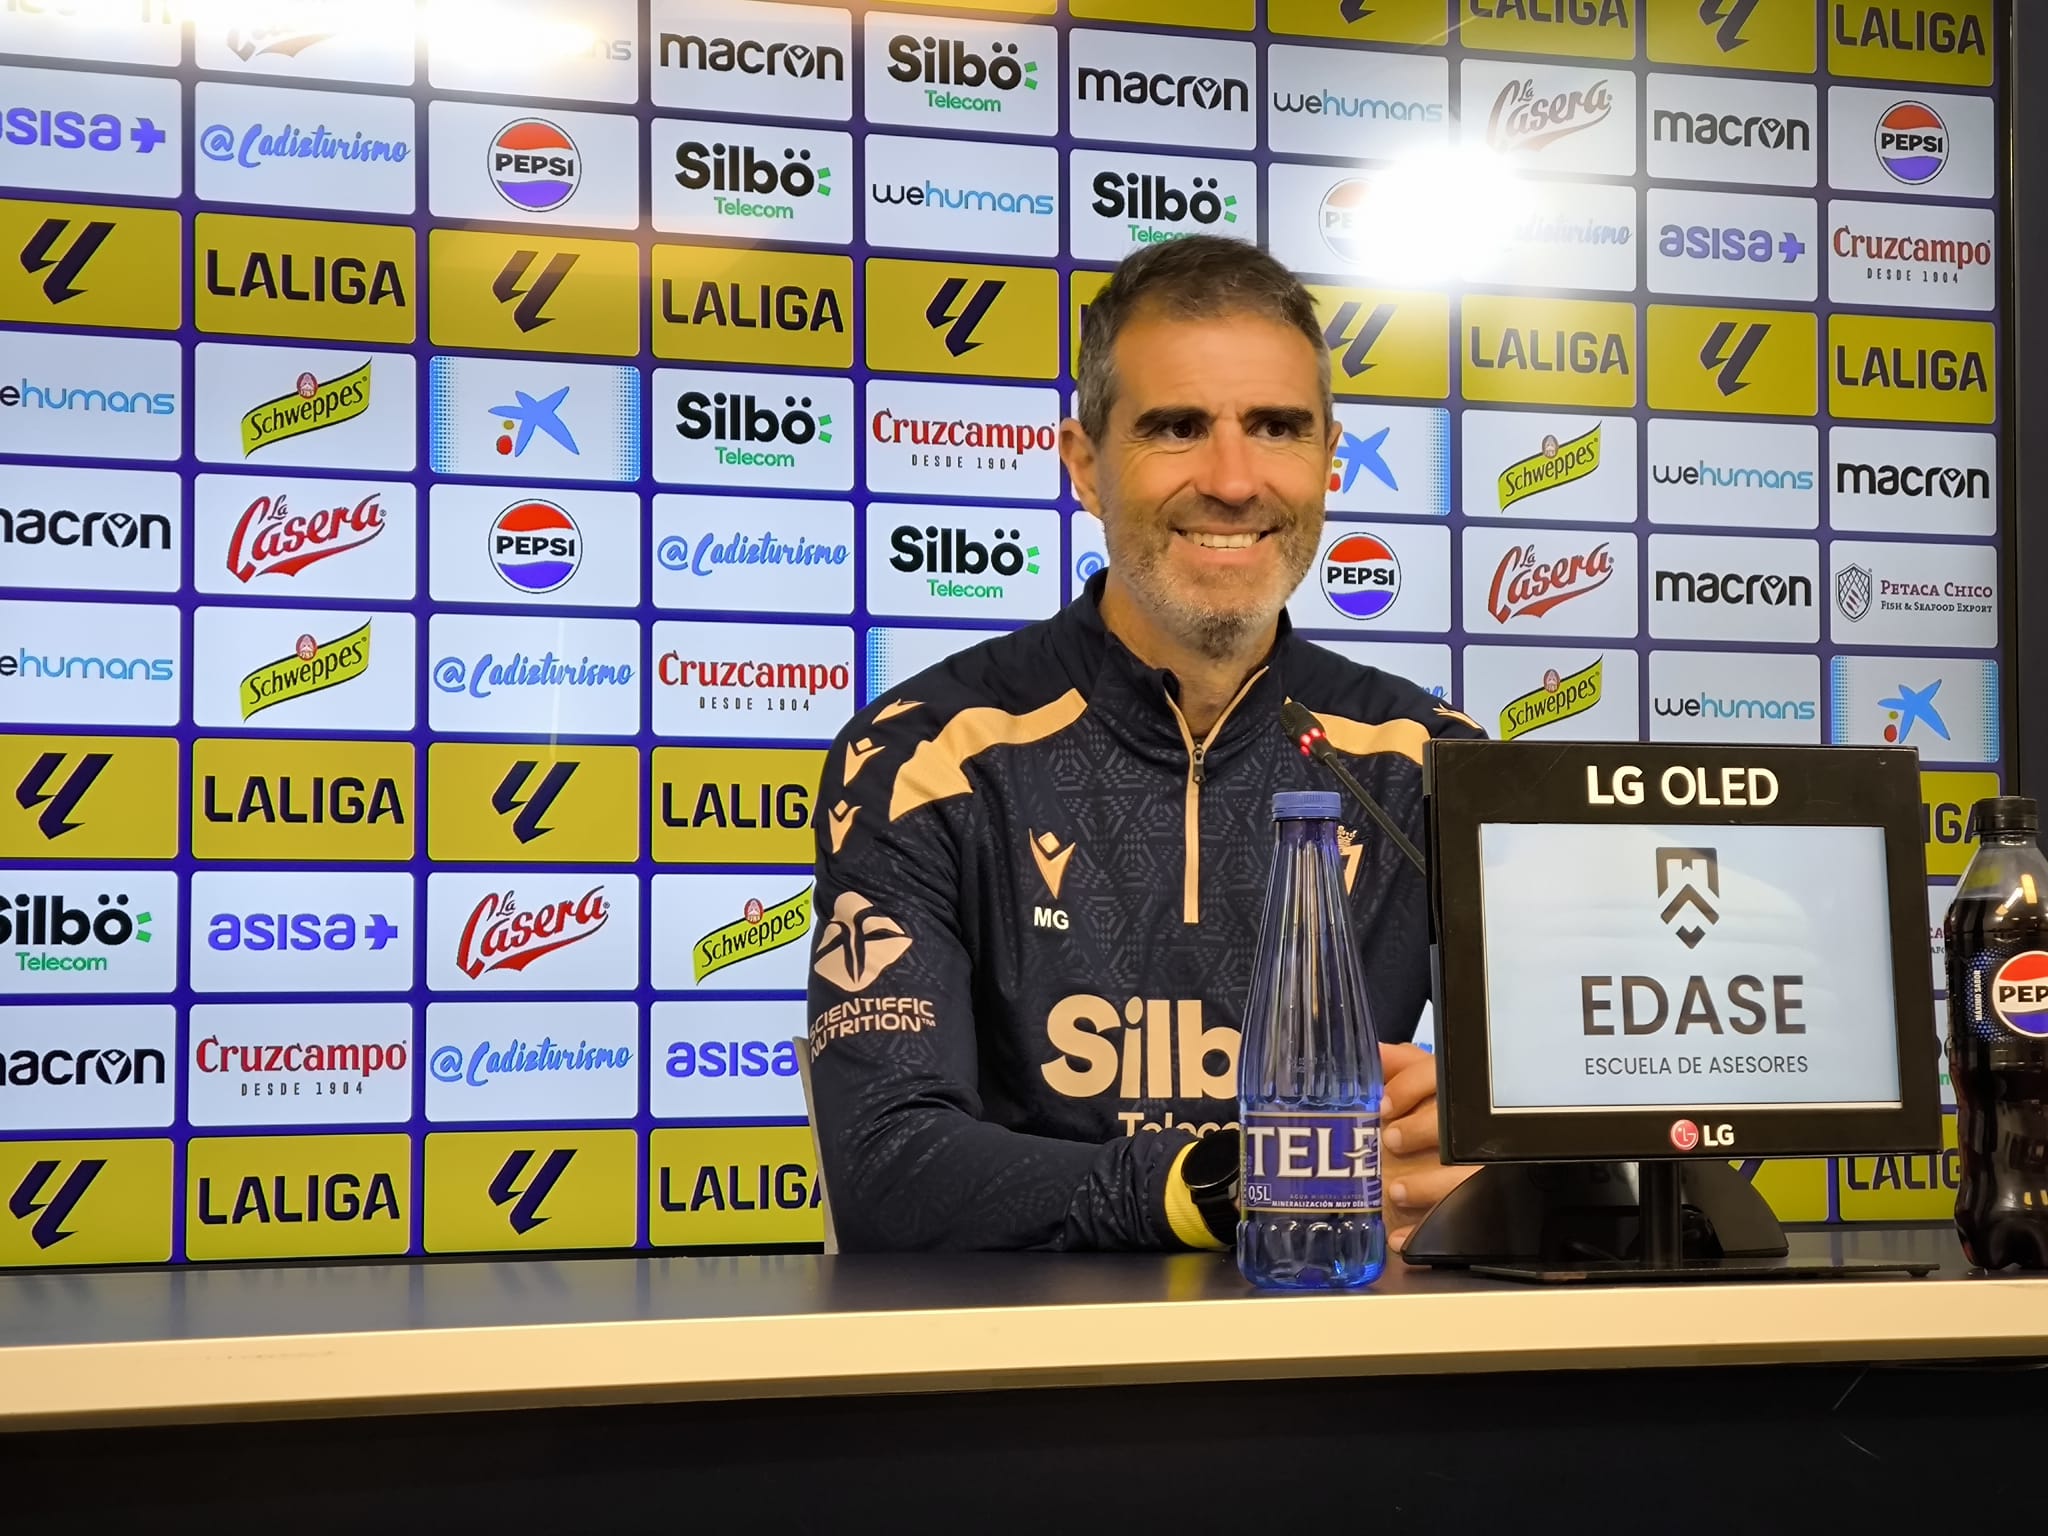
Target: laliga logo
<point x="1685" y="1135"/>
<point x="1525" y="587"/>
<point x="272" y="540"/>
<point x="500" y="936"/>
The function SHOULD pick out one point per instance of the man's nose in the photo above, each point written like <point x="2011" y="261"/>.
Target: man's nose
<point x="1228" y="471"/>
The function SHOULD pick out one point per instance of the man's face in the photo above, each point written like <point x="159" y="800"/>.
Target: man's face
<point x="1211" y="472"/>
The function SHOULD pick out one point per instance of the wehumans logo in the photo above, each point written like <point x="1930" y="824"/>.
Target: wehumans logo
<point x="1669" y="862"/>
<point x="311" y="406"/>
<point x="1152" y="1048"/>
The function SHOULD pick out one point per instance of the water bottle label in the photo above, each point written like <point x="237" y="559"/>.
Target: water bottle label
<point x="2006" y="994"/>
<point x="1310" y="1160"/>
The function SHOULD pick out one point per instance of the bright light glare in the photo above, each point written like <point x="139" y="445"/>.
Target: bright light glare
<point x="489" y="32"/>
<point x="1439" y="215"/>
<point x="367" y="20"/>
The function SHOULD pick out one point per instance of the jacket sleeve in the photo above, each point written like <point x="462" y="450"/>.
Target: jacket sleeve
<point x="909" y="1161"/>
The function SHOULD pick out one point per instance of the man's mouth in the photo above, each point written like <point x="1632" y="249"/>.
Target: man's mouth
<point x="1204" y="540"/>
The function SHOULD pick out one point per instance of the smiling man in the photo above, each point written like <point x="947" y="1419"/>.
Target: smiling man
<point x="1041" y="863"/>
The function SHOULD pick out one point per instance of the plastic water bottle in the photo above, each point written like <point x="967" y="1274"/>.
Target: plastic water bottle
<point x="1309" y="1073"/>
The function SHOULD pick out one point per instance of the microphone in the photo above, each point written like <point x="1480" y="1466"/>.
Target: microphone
<point x="1306" y="729"/>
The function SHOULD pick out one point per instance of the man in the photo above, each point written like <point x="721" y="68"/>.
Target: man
<point x="1041" y="863"/>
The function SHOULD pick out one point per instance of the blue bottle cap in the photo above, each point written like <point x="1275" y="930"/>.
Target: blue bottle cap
<point x="1307" y="805"/>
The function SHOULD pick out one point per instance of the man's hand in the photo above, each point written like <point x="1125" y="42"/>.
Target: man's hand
<point x="1412" y="1179"/>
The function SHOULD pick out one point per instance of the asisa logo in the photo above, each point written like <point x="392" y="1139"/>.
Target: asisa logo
<point x="2019" y="994"/>
<point x="502" y="935"/>
<point x="1527" y="587"/>
<point x="273" y="540"/>
<point x="534" y="165"/>
<point x="1361" y="576"/>
<point x="1912" y="143"/>
<point x="535" y="546"/>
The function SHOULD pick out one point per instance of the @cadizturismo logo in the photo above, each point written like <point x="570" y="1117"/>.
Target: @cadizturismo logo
<point x="1526" y="586"/>
<point x="1559" y="698"/>
<point x="313" y="666"/>
<point x="534" y="165"/>
<point x="1524" y="119"/>
<point x="503" y="935"/>
<point x="49" y="921"/>
<point x="272" y="540"/>
<point x="1556" y="464"/>
<point x="515" y="1057"/>
<point x="758" y="930"/>
<point x="535" y="546"/>
<point x="310" y="406"/>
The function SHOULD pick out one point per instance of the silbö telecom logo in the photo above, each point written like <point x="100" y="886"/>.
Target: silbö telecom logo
<point x="36" y="925"/>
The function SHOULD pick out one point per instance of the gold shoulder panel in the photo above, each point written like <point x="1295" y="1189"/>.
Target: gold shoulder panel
<point x="1356" y="738"/>
<point x="936" y="770"/>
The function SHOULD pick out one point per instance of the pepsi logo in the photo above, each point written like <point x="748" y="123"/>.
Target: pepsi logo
<point x="535" y="546"/>
<point x="1361" y="576"/>
<point x="2019" y="994"/>
<point x="1912" y="143"/>
<point x="1684" y="1135"/>
<point x="1345" y="222"/>
<point x="534" y="165"/>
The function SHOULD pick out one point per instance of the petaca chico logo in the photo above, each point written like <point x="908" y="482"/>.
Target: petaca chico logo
<point x="503" y="936"/>
<point x="1525" y="586"/>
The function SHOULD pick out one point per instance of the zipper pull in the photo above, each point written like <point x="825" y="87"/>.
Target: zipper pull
<point x="1196" y="765"/>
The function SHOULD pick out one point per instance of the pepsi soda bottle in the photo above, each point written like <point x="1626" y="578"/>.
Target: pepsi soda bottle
<point x="1308" y="1074"/>
<point x="1997" y="933"/>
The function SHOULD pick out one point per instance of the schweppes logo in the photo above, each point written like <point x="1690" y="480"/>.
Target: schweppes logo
<point x="532" y="802"/>
<point x="1550" y="351"/>
<point x="1763" y="35"/>
<point x="1559" y="698"/>
<point x="490" y="1191"/>
<point x="1381" y="21"/>
<point x="85" y="1202"/>
<point x="313" y="404"/>
<point x="1386" y="343"/>
<point x="1745" y="362"/>
<point x="1552" y="465"/>
<point x="758" y="930"/>
<point x="313" y="667"/>
<point x="1594" y="29"/>
<point x="1895" y="369"/>
<point x="303" y="278"/>
<point x="88" y="264"/>
<point x="281" y="1197"/>
<point x="719" y="304"/>
<point x="752" y="1185"/>
<point x="535" y="292"/>
<point x="735" y="805"/>
<point x="1944" y="42"/>
<point x="947" y="317"/>
<point x="319" y="801"/>
<point x="88" y="797"/>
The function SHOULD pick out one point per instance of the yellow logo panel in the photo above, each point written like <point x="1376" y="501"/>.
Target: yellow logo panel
<point x="1940" y="42"/>
<point x="1386" y="343"/>
<point x="501" y="1191"/>
<point x="297" y="1197"/>
<point x="319" y="801"/>
<point x="495" y="802"/>
<point x="1425" y="22"/>
<point x="1774" y="36"/>
<point x="1550" y="351"/>
<point x="1945" y="801"/>
<point x="1739" y="362"/>
<point x="85" y="1202"/>
<point x="719" y="304"/>
<point x="303" y="278"/>
<point x="1217" y="15"/>
<point x="534" y="292"/>
<point x="735" y="805"/>
<point x="1081" y="290"/>
<point x="740" y="1187"/>
<point x="86" y="264"/>
<point x="1917" y="1186"/>
<point x="88" y="797"/>
<point x="1583" y="29"/>
<point x="947" y="317"/>
<point x="1795" y="1188"/>
<point x="1889" y="368"/>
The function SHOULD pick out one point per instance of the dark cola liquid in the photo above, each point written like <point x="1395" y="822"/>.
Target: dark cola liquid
<point x="2001" y="1085"/>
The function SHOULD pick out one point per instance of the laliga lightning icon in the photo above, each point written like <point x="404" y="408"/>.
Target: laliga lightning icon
<point x="534" y="165"/>
<point x="1361" y="576"/>
<point x="535" y="546"/>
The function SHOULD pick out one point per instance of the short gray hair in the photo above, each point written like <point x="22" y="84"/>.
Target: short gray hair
<point x="1193" y="278"/>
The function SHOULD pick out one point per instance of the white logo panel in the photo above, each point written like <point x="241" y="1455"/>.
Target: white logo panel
<point x="927" y="561"/>
<point x="963" y="439"/>
<point x="1735" y="696"/>
<point x="545" y="166"/>
<point x="1509" y="689"/>
<point x="734" y="933"/>
<point x="1906" y="142"/>
<point x="99" y="1067"/>
<point x="1551" y="117"/>
<point x="946" y="195"/>
<point x="311" y="1064"/>
<point x="1946" y="707"/>
<point x="92" y="530"/>
<point x="526" y="547"/>
<point x="67" y="931"/>
<point x="586" y="50"/>
<point x="276" y="931"/>
<point x="1148" y="88"/>
<point x="89" y="663"/>
<point x="950" y="73"/>
<point x="348" y="408"/>
<point x="1741" y="132"/>
<point x="726" y="1060"/>
<point x="1921" y="255"/>
<point x="753" y="181"/>
<point x="1547" y="234"/>
<point x="1086" y="551"/>
<point x="1428" y="667"/>
<point x="73" y="132"/>
<point x="892" y="653"/>
<point x="90" y="397"/>
<point x="1377" y="577"/>
<point x="728" y="554"/>
<point x="1892" y="480"/>
<point x="1706" y="588"/>
<point x="781" y="682"/>
<point x="1353" y="104"/>
<point x="514" y="417"/>
<point x="1551" y="466"/>
<point x="259" y="668"/>
<point x="276" y="147"/>
<point x="371" y="41"/>
<point x="533" y="930"/>
<point x="751" y="55"/>
<point x="781" y="431"/>
<point x="1391" y="459"/>
<point x="64" y="29"/>
<point x="1737" y="243"/>
<point x="295" y="536"/>
<point x="1914" y="594"/>
<point x="533" y="675"/>
<point x="1734" y="474"/>
<point x="1544" y="582"/>
<point x="1119" y="203"/>
<point x="533" y="1062"/>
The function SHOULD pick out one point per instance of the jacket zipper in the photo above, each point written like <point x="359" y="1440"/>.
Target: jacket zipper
<point x="1198" y="752"/>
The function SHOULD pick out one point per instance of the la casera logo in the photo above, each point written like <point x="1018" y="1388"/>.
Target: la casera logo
<point x="502" y="934"/>
<point x="270" y="539"/>
<point x="1526" y="585"/>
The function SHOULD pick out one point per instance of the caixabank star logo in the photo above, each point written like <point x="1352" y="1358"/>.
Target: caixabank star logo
<point x="489" y="802"/>
<point x="953" y="317"/>
<point x="536" y="292"/>
<point x="88" y="797"/>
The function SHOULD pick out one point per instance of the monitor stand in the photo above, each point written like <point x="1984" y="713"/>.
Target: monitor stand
<point x="1663" y="1220"/>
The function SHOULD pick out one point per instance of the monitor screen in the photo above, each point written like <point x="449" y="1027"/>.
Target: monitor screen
<point x="1634" y="967"/>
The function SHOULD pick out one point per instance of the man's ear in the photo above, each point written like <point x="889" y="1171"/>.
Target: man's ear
<point x="1336" y="433"/>
<point x="1077" y="452"/>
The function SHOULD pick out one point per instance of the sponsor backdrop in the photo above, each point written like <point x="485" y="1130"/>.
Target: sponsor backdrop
<point x="460" y="464"/>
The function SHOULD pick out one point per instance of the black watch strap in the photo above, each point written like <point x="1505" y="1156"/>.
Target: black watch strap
<point x="1213" y="1169"/>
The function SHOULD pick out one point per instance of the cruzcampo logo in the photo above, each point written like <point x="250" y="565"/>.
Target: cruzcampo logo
<point x="311" y="667"/>
<point x="308" y="408"/>
<point x="758" y="930"/>
<point x="1558" y="699"/>
<point x="1556" y="464"/>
